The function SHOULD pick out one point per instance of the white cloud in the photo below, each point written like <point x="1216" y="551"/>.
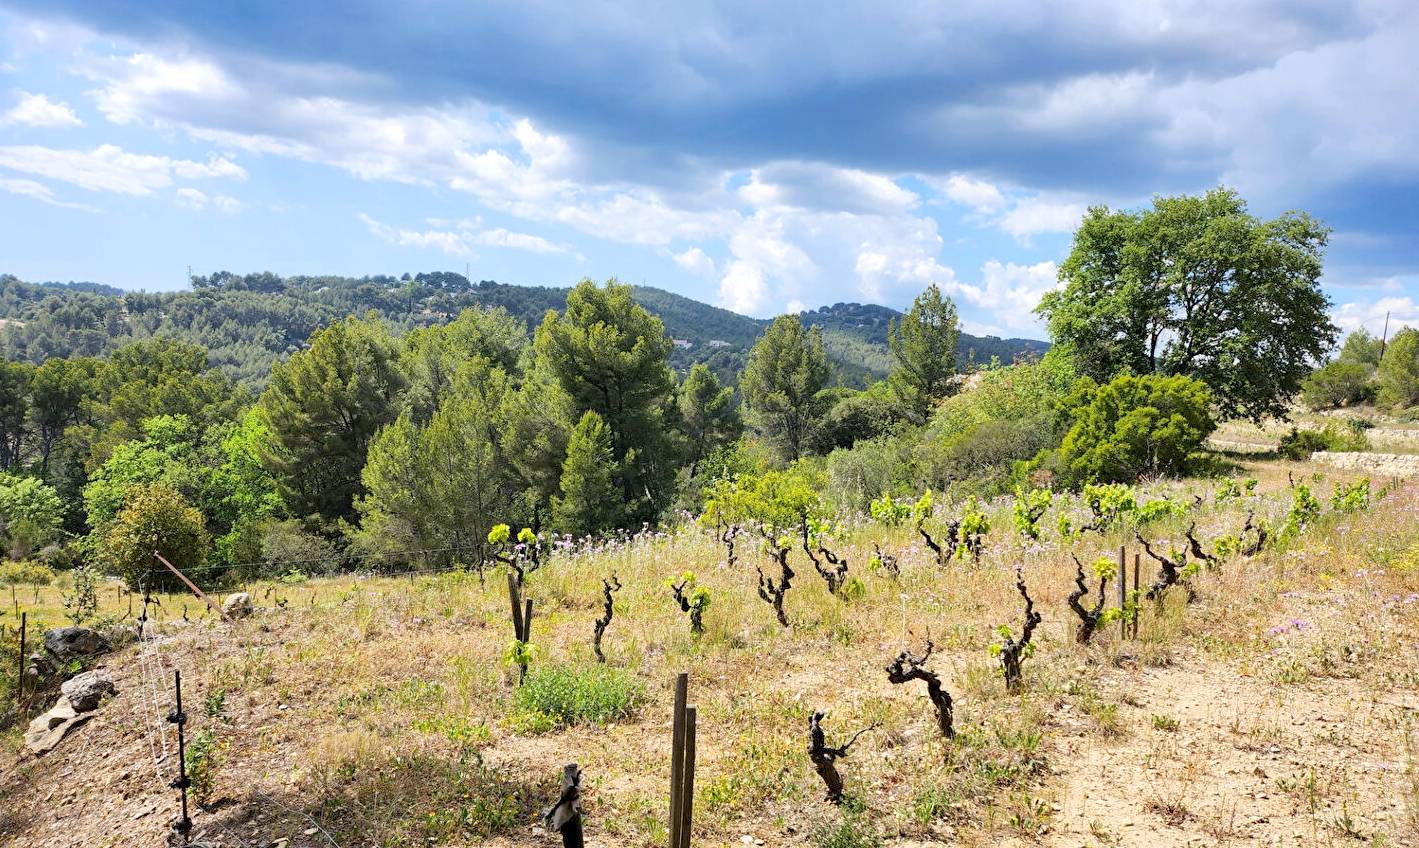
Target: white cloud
<point x="1010" y="292"/>
<point x="696" y="261"/>
<point x="190" y="198"/>
<point x="110" y="168"/>
<point x="978" y="195"/>
<point x="813" y="185"/>
<point x="37" y="110"/>
<point x="40" y="192"/>
<point x="459" y="237"/>
<point x="1402" y="312"/>
<point x="1036" y="215"/>
<point x="743" y="288"/>
<point x="499" y="237"/>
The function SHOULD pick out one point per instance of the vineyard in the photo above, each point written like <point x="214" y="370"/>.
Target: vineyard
<point x="959" y="672"/>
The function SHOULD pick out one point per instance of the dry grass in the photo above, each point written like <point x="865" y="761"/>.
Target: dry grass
<point x="382" y="709"/>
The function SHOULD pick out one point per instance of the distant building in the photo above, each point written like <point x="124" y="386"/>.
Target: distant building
<point x="685" y="343"/>
<point x="718" y="343"/>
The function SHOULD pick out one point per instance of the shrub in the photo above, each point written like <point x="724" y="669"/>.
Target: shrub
<point x="25" y="571"/>
<point x="156" y="518"/>
<point x="1338" y="384"/>
<point x="568" y="695"/>
<point x="1300" y="444"/>
<point x="1133" y="426"/>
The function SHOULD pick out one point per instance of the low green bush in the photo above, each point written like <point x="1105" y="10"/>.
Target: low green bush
<point x="25" y="572"/>
<point x="1300" y="444"/>
<point x="556" y="696"/>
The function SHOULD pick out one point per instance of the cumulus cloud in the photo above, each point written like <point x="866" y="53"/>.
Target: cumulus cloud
<point x="811" y="185"/>
<point x="1033" y="216"/>
<point x="696" y="261"/>
<point x="459" y="237"/>
<point x="1402" y="311"/>
<point x="1010" y="292"/>
<point x="977" y="195"/>
<point x="37" y="110"/>
<point x="108" y="168"/>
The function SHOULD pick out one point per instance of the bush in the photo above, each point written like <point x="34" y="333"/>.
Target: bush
<point x="561" y="695"/>
<point x="1300" y="444"/>
<point x="25" y="572"/>
<point x="857" y="475"/>
<point x="1338" y="384"/>
<point x="156" y="518"/>
<point x="1133" y="426"/>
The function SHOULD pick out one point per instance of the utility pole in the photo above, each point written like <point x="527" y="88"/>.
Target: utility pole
<point x="1384" y="336"/>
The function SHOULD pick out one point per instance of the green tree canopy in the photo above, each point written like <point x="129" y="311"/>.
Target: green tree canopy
<point x="1361" y="348"/>
<point x="610" y="356"/>
<point x="707" y="414"/>
<point x="323" y="407"/>
<point x="155" y="518"/>
<point x="589" y="502"/>
<point x="1194" y="285"/>
<point x="1398" y="373"/>
<point x="441" y="485"/>
<point x="786" y="371"/>
<point x="923" y="345"/>
<point x="432" y="355"/>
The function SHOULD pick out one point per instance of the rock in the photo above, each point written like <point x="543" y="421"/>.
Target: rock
<point x="72" y="643"/>
<point x="84" y="691"/>
<point x="237" y="605"/>
<point x="48" y="730"/>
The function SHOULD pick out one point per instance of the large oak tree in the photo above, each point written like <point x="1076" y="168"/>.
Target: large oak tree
<point x="1195" y="285"/>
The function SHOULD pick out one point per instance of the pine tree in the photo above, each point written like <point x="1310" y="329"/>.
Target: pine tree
<point x="707" y="414"/>
<point x="589" y="502"/>
<point x="323" y="407"/>
<point x="610" y="356"/>
<point x="923" y="346"/>
<point x="786" y="370"/>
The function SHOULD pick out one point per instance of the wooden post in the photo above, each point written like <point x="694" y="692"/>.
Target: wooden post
<point x="527" y="621"/>
<point x="564" y="817"/>
<point x="20" y="680"/>
<point x="687" y="782"/>
<point x="1136" y="611"/>
<point x="193" y="586"/>
<point x="516" y="602"/>
<point x="1123" y="593"/>
<point x="677" y="755"/>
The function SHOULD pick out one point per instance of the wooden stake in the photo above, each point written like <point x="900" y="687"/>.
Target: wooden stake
<point x="516" y="602"/>
<point x="1123" y="593"/>
<point x="687" y="782"/>
<point x="193" y="586"/>
<point x="677" y="755"/>
<point x="20" y="680"/>
<point x="1136" y="611"/>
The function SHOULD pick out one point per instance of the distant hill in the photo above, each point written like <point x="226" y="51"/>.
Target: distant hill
<point x="248" y="322"/>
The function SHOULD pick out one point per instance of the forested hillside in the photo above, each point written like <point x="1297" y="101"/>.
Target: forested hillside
<point x="248" y="322"/>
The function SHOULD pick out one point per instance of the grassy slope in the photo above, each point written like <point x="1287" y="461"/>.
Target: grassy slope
<point x="1275" y="710"/>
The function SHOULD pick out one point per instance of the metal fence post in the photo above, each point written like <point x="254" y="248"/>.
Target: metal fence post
<point x="183" y="826"/>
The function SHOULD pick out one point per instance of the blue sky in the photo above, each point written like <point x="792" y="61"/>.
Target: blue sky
<point x="763" y="157"/>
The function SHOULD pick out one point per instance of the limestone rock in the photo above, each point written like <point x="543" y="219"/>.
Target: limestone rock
<point x="71" y="643"/>
<point x="48" y="730"/>
<point x="237" y="605"/>
<point x="84" y="691"/>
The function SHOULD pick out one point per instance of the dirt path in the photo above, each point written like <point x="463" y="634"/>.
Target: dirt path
<point x="1248" y="762"/>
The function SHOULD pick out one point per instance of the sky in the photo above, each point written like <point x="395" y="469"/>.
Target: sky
<point x="765" y="157"/>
